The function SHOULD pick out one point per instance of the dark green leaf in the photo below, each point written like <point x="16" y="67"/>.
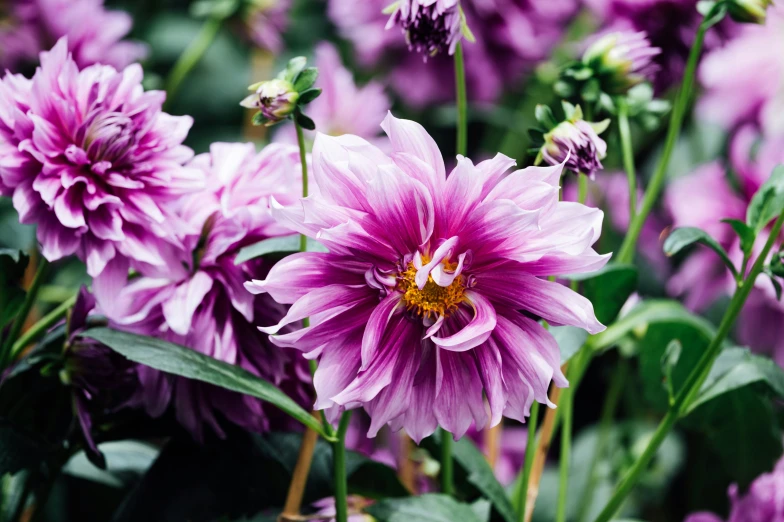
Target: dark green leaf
<point x="308" y="96"/>
<point x="609" y="288"/>
<point x="178" y="360"/>
<point x="126" y="461"/>
<point x="481" y="475"/>
<point x="680" y="238"/>
<point x="744" y="232"/>
<point x="425" y="508"/>
<point x="670" y="358"/>
<point x="544" y="115"/>
<point x="737" y="368"/>
<point x="275" y="245"/>
<point x="768" y="202"/>
<point x="259" y="119"/>
<point x="305" y="122"/>
<point x="716" y="13"/>
<point x="569" y="339"/>
<point x="305" y="79"/>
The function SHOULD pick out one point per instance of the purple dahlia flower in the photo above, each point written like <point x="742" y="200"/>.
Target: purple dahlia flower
<point x="744" y="80"/>
<point x="94" y="34"/>
<point x="670" y="25"/>
<point x="763" y="502"/>
<point x="624" y="58"/>
<point x="430" y="26"/>
<point x="89" y="158"/>
<point x="416" y="309"/>
<point x="200" y="301"/>
<point x="576" y="143"/>
<point x="265" y="21"/>
<point x="512" y="36"/>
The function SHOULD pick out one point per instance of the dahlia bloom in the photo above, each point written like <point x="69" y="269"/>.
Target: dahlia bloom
<point x="94" y="34"/>
<point x="265" y="21"/>
<point x="430" y="26"/>
<point x="416" y="309"/>
<point x="275" y="99"/>
<point x="576" y="143"/>
<point x="343" y="107"/>
<point x="671" y="26"/>
<point x="512" y="36"/>
<point x="744" y="80"/>
<point x="89" y="158"/>
<point x="763" y="502"/>
<point x="200" y="302"/>
<point x="623" y="59"/>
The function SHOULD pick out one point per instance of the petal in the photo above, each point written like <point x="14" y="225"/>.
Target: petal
<point x="179" y="309"/>
<point x="337" y="368"/>
<point x="420" y="419"/>
<point x="459" y="401"/>
<point x="476" y="331"/>
<point x="409" y="136"/>
<point x="377" y="325"/>
<point x="108" y="285"/>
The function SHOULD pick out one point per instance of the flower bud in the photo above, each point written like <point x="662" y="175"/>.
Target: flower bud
<point x="430" y="27"/>
<point x="276" y="99"/>
<point x="748" y="11"/>
<point x="579" y="141"/>
<point x="622" y="60"/>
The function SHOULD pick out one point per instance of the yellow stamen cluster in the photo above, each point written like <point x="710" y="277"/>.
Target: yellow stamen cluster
<point x="432" y="300"/>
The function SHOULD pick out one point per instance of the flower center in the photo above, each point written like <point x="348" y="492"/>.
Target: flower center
<point x="431" y="300"/>
<point x="109" y="137"/>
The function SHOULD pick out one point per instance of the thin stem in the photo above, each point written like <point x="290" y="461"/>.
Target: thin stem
<point x="303" y="240"/>
<point x="462" y="104"/>
<point x="299" y="476"/>
<point x="566" y="450"/>
<point x="530" y="452"/>
<point x="628" y="154"/>
<point x="545" y="438"/>
<point x="190" y="57"/>
<point x="24" y="311"/>
<point x="694" y="382"/>
<point x="42" y="326"/>
<point x="447" y="466"/>
<point x="603" y="436"/>
<point x="626" y="252"/>
<point x="339" y="457"/>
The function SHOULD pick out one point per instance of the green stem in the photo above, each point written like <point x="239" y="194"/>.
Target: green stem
<point x="626" y="253"/>
<point x="447" y="466"/>
<point x="24" y="311"/>
<point x="43" y="324"/>
<point x="303" y="240"/>
<point x="339" y="456"/>
<point x="694" y="382"/>
<point x="582" y="188"/>
<point x="628" y="154"/>
<point x="603" y="436"/>
<point x="190" y="57"/>
<point x="567" y="406"/>
<point x="530" y="453"/>
<point x="462" y="104"/>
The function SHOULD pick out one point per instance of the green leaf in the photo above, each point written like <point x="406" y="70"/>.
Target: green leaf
<point x="737" y="368"/>
<point x="608" y="289"/>
<point x="126" y="462"/>
<point x="425" y="508"/>
<point x="277" y="245"/>
<point x="304" y="122"/>
<point x="259" y="119"/>
<point x="481" y="475"/>
<point x="305" y="79"/>
<point x="768" y="202"/>
<point x="293" y="68"/>
<point x="544" y="115"/>
<point x="178" y="360"/>
<point x="569" y="339"/>
<point x="308" y="96"/>
<point x="744" y="232"/>
<point x="12" y="268"/>
<point x="680" y="238"/>
<point x="668" y="361"/>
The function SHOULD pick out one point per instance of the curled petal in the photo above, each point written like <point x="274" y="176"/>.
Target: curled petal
<point x="476" y="331"/>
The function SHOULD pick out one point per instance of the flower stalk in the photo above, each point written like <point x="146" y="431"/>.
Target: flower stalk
<point x="447" y="464"/>
<point x="694" y="382"/>
<point x="462" y="104"/>
<point x="16" y="328"/>
<point x="339" y="457"/>
<point x="191" y="56"/>
<point x="628" y="154"/>
<point x="41" y="326"/>
<point x="530" y="452"/>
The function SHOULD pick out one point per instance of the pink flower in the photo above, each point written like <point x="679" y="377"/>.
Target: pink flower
<point x="265" y="23"/>
<point x="343" y="107"/>
<point x="89" y="158"/>
<point x="415" y="310"/>
<point x="200" y="302"/>
<point x="429" y="26"/>
<point x="512" y="36"/>
<point x="94" y="34"/>
<point x="744" y="80"/>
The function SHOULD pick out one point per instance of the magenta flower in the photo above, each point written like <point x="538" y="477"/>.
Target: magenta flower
<point x="343" y="107"/>
<point x="430" y="26"/>
<point x="623" y="59"/>
<point x="744" y="80"/>
<point x="265" y="23"/>
<point x="200" y="301"/>
<point x="575" y="143"/>
<point x="415" y="310"/>
<point x="512" y="36"/>
<point x="763" y="502"/>
<point x="89" y="158"/>
<point x="94" y="34"/>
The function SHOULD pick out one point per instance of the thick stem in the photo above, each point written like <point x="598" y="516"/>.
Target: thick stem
<point x="545" y="438"/>
<point x="628" y="154"/>
<point x="339" y="460"/>
<point x="462" y="104"/>
<point x="626" y="253"/>
<point x="530" y="452"/>
<point x="694" y="382"/>
<point x="40" y="327"/>
<point x="300" y="475"/>
<point x="21" y="316"/>
<point x="303" y="240"/>
<point x="190" y="57"/>
<point x="447" y="465"/>
<point x="492" y="443"/>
